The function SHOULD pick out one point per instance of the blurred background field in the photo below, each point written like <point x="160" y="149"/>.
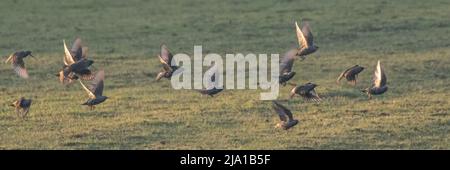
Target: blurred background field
<point x="410" y="37"/>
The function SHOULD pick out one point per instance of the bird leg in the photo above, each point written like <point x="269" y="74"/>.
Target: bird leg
<point x="92" y="107"/>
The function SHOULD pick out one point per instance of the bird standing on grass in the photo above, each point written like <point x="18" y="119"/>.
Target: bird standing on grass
<point x="18" y="64"/>
<point x="22" y="107"/>
<point x="379" y="82"/>
<point x="350" y="74"/>
<point x="212" y="90"/>
<point x="306" y="91"/>
<point x="165" y="57"/>
<point x="305" y="40"/>
<point x="95" y="90"/>
<point x="287" y="120"/>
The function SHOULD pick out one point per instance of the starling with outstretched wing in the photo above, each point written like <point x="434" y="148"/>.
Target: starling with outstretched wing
<point x="286" y="117"/>
<point x="165" y="57"/>
<point x="306" y="91"/>
<point x="95" y="90"/>
<point x="286" y="64"/>
<point x="305" y="40"/>
<point x="378" y="82"/>
<point x="18" y="64"/>
<point x="350" y="74"/>
<point x="76" y="64"/>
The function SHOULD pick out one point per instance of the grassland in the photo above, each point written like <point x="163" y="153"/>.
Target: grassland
<point x="410" y="37"/>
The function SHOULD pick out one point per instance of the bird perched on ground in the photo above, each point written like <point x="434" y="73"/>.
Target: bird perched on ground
<point x="286" y="65"/>
<point x="306" y="91"/>
<point x="305" y="40"/>
<point x="22" y="107"/>
<point x="165" y="57"/>
<point x="18" y="64"/>
<point x="287" y="120"/>
<point x="76" y="64"/>
<point x="350" y="74"/>
<point x="95" y="90"/>
<point x="379" y="82"/>
<point x="212" y="88"/>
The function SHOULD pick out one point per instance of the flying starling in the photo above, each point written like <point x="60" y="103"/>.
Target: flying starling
<point x="306" y="91"/>
<point x="379" y="82"/>
<point x="165" y="57"/>
<point x="286" y="65"/>
<point x="22" y="107"/>
<point x="305" y="40"/>
<point x="18" y="64"/>
<point x="287" y="120"/>
<point x="95" y="90"/>
<point x="350" y="74"/>
<point x="76" y="65"/>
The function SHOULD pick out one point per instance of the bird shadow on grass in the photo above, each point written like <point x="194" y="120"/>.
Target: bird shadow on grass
<point x="343" y="94"/>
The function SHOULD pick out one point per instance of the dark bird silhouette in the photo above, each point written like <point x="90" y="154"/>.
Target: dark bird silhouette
<point x="305" y="40"/>
<point x="350" y="74"/>
<point x="287" y="120"/>
<point x="95" y="90"/>
<point x="378" y="83"/>
<point x="76" y="65"/>
<point x="286" y="64"/>
<point x="165" y="57"/>
<point x="22" y="107"/>
<point x="212" y="90"/>
<point x="306" y="91"/>
<point x="18" y="64"/>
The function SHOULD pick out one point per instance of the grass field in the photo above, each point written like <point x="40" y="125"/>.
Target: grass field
<point x="410" y="37"/>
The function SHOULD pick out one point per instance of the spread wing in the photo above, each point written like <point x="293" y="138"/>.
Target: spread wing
<point x="343" y="74"/>
<point x="18" y="65"/>
<point x="301" y="37"/>
<point x="288" y="61"/>
<point x="379" y="77"/>
<point x="68" y="59"/>
<point x="165" y="56"/>
<point x="84" y="52"/>
<point x="306" y="30"/>
<point x="77" y="50"/>
<point x="90" y="94"/>
<point x="97" y="83"/>
<point x="282" y="111"/>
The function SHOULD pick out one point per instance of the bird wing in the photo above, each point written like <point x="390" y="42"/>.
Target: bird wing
<point x="287" y="62"/>
<point x="68" y="59"/>
<point x="282" y="111"/>
<point x="10" y="57"/>
<point x="97" y="83"/>
<point x="379" y="77"/>
<point x="342" y="75"/>
<point x="19" y="65"/>
<point x="84" y="52"/>
<point x="315" y="95"/>
<point x="306" y="30"/>
<point x="300" y="37"/>
<point x="77" y="50"/>
<point x="165" y="55"/>
<point x="166" y="66"/>
<point x="91" y="95"/>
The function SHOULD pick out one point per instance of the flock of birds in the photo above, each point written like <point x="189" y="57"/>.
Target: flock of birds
<point x="77" y="67"/>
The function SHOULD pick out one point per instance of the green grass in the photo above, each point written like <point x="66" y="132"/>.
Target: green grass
<point x="410" y="37"/>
